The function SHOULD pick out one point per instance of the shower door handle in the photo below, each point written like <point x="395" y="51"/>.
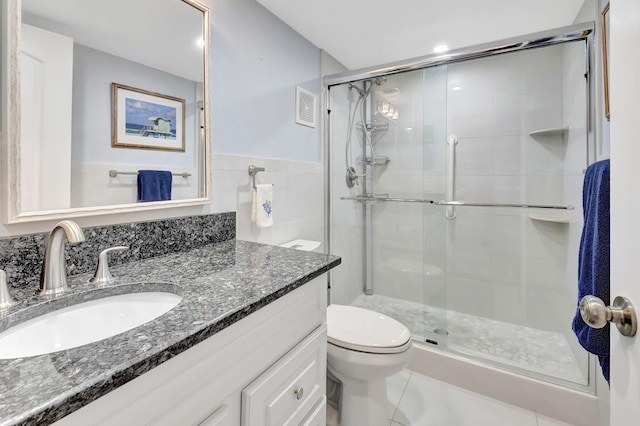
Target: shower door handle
<point x="622" y="313"/>
<point x="450" y="182"/>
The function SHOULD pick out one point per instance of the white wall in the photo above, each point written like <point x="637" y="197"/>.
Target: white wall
<point x="298" y="199"/>
<point x="92" y="154"/>
<point x="93" y="73"/>
<point x="257" y="61"/>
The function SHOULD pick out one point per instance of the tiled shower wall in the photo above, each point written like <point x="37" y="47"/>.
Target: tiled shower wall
<point x="497" y="263"/>
<point x="347" y="280"/>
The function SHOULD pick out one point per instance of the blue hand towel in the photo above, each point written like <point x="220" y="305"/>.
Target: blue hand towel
<point x="154" y="185"/>
<point x="593" y="259"/>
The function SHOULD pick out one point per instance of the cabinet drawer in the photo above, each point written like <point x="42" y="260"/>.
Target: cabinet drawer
<point x="290" y="389"/>
<point x="318" y="416"/>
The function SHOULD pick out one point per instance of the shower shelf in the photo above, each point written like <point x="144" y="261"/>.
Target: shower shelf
<point x="550" y="219"/>
<point x="368" y="198"/>
<point x="554" y="131"/>
<point x="373" y="127"/>
<point x="378" y="160"/>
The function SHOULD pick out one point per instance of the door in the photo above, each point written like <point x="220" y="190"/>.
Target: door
<point x="625" y="202"/>
<point x="46" y="97"/>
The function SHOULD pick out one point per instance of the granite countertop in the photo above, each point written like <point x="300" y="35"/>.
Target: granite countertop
<point x="220" y="284"/>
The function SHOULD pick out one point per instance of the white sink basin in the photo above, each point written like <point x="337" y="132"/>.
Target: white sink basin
<point x="84" y="323"/>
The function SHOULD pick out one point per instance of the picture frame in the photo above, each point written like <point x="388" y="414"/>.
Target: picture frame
<point x="143" y="119"/>
<point x="605" y="59"/>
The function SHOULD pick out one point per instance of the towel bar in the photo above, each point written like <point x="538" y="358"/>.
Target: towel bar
<point x="114" y="173"/>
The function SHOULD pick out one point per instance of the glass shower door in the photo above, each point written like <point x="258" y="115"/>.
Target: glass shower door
<point x="490" y="282"/>
<point x="397" y="239"/>
<point x="520" y="124"/>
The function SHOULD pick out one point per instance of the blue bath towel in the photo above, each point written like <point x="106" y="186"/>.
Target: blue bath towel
<point x="154" y="185"/>
<point x="593" y="260"/>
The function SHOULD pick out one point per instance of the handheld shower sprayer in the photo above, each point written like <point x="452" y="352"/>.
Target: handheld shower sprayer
<point x="379" y="81"/>
<point x="352" y="175"/>
<point x="357" y="89"/>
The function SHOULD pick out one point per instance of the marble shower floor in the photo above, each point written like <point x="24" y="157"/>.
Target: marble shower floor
<point x="540" y="351"/>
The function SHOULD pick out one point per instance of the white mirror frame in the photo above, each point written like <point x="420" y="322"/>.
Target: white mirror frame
<point x="10" y="130"/>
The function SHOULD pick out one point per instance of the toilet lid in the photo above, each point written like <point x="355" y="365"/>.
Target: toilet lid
<point x="365" y="330"/>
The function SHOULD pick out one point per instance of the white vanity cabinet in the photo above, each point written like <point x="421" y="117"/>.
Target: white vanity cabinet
<point x="290" y="389"/>
<point x="267" y="369"/>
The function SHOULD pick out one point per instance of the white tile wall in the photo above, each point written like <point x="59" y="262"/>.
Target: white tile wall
<point x="501" y="257"/>
<point x="495" y="262"/>
<point x="347" y="280"/>
<point x="91" y="184"/>
<point x="298" y="200"/>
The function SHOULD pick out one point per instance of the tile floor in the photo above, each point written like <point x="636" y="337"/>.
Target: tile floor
<point x="417" y="400"/>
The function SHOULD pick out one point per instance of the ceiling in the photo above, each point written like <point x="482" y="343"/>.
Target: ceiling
<point x="128" y="29"/>
<point x="365" y="33"/>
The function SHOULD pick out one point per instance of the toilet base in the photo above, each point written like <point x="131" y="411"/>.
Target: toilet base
<point x="364" y="403"/>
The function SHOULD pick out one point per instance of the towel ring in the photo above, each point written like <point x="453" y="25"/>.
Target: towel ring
<point x="253" y="171"/>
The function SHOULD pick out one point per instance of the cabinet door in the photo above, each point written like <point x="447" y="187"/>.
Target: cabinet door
<point x="220" y="417"/>
<point x="290" y="389"/>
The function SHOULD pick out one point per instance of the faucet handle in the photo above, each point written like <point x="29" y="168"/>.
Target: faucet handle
<point x="102" y="274"/>
<point x="6" y="300"/>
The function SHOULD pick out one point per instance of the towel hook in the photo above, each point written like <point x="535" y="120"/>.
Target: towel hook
<point x="253" y="171"/>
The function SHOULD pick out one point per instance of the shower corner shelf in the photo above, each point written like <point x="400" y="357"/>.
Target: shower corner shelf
<point x="551" y="132"/>
<point x="550" y="219"/>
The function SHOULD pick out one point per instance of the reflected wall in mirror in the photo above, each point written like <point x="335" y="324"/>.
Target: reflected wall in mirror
<point x="65" y="58"/>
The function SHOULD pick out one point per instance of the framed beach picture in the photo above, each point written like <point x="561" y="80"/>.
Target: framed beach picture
<point x="146" y="120"/>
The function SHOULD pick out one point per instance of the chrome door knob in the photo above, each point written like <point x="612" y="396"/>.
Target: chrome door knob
<point x="594" y="312"/>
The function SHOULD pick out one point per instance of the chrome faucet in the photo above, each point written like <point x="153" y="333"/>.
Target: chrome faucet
<point x="53" y="279"/>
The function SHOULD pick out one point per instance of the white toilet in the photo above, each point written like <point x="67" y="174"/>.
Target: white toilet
<point x="364" y="348"/>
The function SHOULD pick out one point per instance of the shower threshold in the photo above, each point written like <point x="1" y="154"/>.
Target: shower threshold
<point x="542" y="352"/>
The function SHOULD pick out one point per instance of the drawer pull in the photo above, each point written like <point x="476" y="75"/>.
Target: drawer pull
<point x="299" y="393"/>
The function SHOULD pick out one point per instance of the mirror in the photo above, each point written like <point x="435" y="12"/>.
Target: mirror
<point x="94" y="91"/>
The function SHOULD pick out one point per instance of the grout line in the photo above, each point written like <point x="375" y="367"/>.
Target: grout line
<point x="406" y="385"/>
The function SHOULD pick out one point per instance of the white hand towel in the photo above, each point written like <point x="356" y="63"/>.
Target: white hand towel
<point x="261" y="212"/>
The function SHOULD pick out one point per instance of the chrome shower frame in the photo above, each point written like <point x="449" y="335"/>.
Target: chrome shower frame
<point x="531" y="41"/>
<point x="574" y="33"/>
<point x="578" y="32"/>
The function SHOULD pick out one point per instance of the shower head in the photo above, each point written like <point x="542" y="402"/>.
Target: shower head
<point x="359" y="90"/>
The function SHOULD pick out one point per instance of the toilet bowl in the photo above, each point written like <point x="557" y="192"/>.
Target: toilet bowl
<point x="364" y="348"/>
